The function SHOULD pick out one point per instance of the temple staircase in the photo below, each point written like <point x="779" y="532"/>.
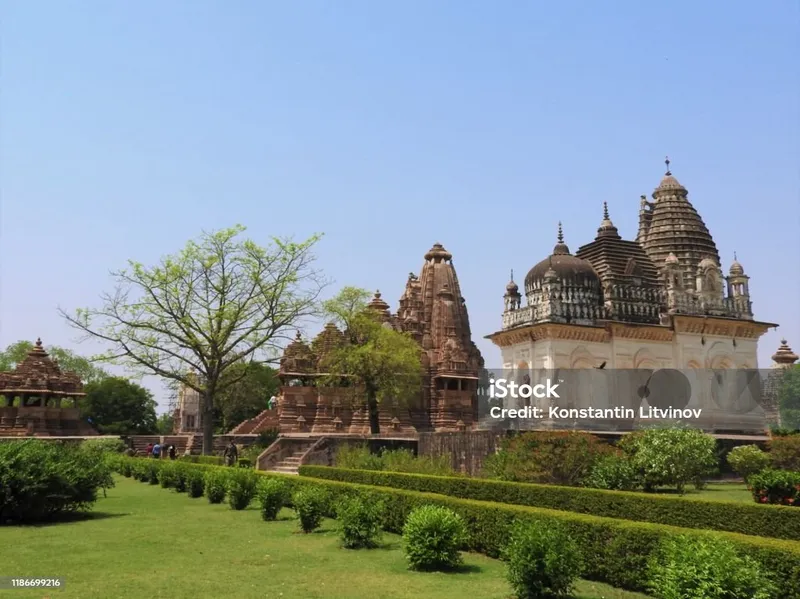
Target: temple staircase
<point x="285" y="455"/>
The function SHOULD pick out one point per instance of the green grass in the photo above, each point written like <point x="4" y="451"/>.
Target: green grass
<point x="146" y="541"/>
<point x="718" y="492"/>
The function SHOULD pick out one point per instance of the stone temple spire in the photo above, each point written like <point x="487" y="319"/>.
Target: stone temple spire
<point x="671" y="225"/>
<point x="784" y="357"/>
<point x="607" y="228"/>
<point x="561" y="248"/>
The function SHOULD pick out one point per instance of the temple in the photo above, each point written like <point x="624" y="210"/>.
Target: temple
<point x="660" y="301"/>
<point x="40" y="399"/>
<point x="434" y="312"/>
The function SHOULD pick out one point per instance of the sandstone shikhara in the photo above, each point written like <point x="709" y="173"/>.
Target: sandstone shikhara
<point x="433" y="311"/>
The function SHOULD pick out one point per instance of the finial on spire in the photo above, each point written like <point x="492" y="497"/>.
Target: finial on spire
<point x="605" y="210"/>
<point x="666" y="161"/>
<point x="560" y="233"/>
<point x="734" y="257"/>
<point x="512" y="274"/>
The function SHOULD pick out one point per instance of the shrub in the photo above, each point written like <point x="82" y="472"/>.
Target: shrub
<point x="760" y="520"/>
<point x="776" y="487"/>
<point x="404" y="460"/>
<point x="309" y="503"/>
<point x="784" y="452"/>
<point x="152" y="468"/>
<point x="360" y="522"/>
<point x="216" y="485"/>
<point x="103" y="446"/>
<point x="273" y="494"/>
<point x="167" y="476"/>
<point x="433" y="536"/>
<point x="671" y="456"/>
<point x="242" y="487"/>
<point x="210" y="460"/>
<point x="195" y="482"/>
<point x="126" y="468"/>
<point x="561" y="458"/>
<point x="614" y="472"/>
<point x="180" y="471"/>
<point x="42" y="480"/>
<point x="747" y="460"/>
<point x="542" y="561"/>
<point x="705" y="568"/>
<point x="357" y="458"/>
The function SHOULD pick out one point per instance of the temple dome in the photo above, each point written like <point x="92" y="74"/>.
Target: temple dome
<point x="736" y="270"/>
<point x="563" y="266"/>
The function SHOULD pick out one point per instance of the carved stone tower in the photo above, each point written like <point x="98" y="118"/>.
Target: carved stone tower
<point x="671" y="225"/>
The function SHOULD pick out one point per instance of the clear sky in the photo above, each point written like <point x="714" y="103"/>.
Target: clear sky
<point x="128" y="127"/>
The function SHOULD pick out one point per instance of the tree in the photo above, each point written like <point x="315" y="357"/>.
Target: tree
<point x="66" y="359"/>
<point x="117" y="406"/>
<point x="219" y="302"/>
<point x="248" y="396"/>
<point x="789" y="397"/>
<point x="165" y="424"/>
<point x="378" y="361"/>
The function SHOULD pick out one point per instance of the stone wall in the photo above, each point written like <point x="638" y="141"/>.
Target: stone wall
<point x="467" y="450"/>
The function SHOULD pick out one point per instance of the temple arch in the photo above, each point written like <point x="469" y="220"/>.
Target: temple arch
<point x="581" y="358"/>
<point x="644" y="360"/>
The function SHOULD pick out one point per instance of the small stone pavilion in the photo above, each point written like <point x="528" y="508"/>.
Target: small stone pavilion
<point x="33" y="394"/>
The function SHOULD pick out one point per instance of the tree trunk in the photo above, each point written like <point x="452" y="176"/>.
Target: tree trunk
<point x="208" y="423"/>
<point x="372" y="406"/>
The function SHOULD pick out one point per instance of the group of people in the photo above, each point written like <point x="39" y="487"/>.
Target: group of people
<point x="159" y="451"/>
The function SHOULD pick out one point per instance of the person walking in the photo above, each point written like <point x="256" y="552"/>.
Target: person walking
<point x="231" y="454"/>
<point x="172" y="452"/>
<point x="149" y="450"/>
<point x="157" y="451"/>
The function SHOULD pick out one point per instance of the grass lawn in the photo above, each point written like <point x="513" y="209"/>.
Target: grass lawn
<point x="718" y="492"/>
<point x="146" y="541"/>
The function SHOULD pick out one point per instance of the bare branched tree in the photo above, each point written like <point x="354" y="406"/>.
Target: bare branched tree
<point x="220" y="301"/>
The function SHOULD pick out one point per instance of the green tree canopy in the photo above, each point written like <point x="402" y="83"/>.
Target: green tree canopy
<point x="165" y="424"/>
<point x="117" y="406"/>
<point x="789" y="398"/>
<point x="380" y="362"/>
<point x="248" y="396"/>
<point x="220" y="301"/>
<point x="66" y="359"/>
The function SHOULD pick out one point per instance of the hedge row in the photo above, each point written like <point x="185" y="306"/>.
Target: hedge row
<point x="616" y="551"/>
<point x="774" y="521"/>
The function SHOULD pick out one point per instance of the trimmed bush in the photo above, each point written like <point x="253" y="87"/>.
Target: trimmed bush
<point x="614" y="473"/>
<point x="432" y="538"/>
<point x="560" y="458"/>
<point x="671" y="456"/>
<point x="360" y="522"/>
<point x="216" y="483"/>
<point x="542" y="561"/>
<point x="273" y="495"/>
<point x="151" y="469"/>
<point x="210" y="460"/>
<point x="195" y="482"/>
<point x="309" y="503"/>
<point x="615" y="551"/>
<point x="167" y="476"/>
<point x="42" y="480"/>
<point x="747" y="460"/>
<point x="730" y="516"/>
<point x="180" y="471"/>
<point x="242" y="487"/>
<point x="705" y="568"/>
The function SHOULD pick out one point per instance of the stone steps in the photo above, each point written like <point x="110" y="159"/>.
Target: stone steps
<point x="291" y="464"/>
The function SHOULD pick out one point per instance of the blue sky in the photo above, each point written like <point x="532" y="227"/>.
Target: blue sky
<point x="127" y="128"/>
